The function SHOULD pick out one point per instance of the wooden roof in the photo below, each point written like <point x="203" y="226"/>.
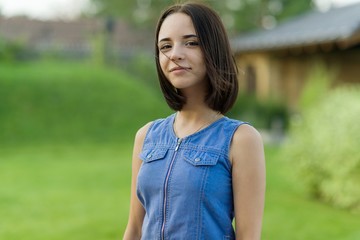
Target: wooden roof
<point x="339" y="26"/>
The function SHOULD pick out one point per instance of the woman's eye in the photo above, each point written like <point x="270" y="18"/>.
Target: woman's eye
<point x="164" y="47"/>
<point x="192" y="43"/>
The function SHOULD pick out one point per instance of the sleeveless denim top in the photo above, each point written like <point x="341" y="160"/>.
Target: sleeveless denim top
<point x="185" y="185"/>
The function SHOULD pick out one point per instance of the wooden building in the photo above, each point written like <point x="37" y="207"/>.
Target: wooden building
<point x="277" y="62"/>
<point x="77" y="38"/>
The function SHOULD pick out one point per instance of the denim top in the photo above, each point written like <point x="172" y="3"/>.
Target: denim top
<point x="185" y="185"/>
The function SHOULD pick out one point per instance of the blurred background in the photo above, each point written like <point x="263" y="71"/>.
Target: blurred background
<point x="77" y="79"/>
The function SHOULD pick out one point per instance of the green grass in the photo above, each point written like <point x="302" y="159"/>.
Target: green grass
<point x="64" y="192"/>
<point x="66" y="133"/>
<point x="82" y="192"/>
<point x="72" y="102"/>
<point x="289" y="214"/>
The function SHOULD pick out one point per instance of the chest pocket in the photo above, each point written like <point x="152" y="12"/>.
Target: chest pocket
<point x="153" y="154"/>
<point x="201" y="158"/>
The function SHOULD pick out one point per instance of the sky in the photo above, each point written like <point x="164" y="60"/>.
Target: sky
<point x="68" y="9"/>
<point x="43" y="9"/>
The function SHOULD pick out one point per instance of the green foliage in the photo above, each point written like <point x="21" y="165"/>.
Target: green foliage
<point x="237" y="15"/>
<point x="261" y="114"/>
<point x="142" y="65"/>
<point x="11" y="51"/>
<point x="140" y="13"/>
<point x="324" y="148"/>
<point x="250" y="15"/>
<point x="97" y="46"/>
<point x="57" y="101"/>
<point x="318" y="85"/>
<point x="293" y="8"/>
<point x="290" y="214"/>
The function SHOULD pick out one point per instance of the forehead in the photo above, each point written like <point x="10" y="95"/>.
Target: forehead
<point x="176" y="25"/>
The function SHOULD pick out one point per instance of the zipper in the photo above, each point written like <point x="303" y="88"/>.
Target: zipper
<point x="165" y="188"/>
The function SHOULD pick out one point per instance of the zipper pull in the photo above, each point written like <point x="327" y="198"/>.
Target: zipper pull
<point x="178" y="144"/>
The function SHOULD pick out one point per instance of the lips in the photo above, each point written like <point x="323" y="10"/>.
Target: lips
<point x="178" y="68"/>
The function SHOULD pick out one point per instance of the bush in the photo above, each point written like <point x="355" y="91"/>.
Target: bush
<point x="11" y="51"/>
<point x="324" y="148"/>
<point x="261" y="114"/>
<point x="141" y="64"/>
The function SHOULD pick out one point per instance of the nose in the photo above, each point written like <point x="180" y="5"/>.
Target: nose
<point x="177" y="53"/>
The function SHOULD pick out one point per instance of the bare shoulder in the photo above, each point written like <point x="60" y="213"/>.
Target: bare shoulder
<point x="141" y="133"/>
<point x="247" y="143"/>
<point x="140" y="137"/>
<point x="247" y="134"/>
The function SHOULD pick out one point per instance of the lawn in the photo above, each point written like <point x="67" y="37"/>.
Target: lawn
<point x="64" y="191"/>
<point x="289" y="214"/>
<point x="82" y="192"/>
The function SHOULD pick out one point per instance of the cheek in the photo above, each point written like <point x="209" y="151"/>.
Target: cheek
<point x="202" y="65"/>
<point x="163" y="62"/>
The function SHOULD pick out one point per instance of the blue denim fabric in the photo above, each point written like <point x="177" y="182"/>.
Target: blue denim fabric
<point x="185" y="185"/>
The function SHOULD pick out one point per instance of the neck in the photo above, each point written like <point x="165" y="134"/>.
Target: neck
<point x="190" y="121"/>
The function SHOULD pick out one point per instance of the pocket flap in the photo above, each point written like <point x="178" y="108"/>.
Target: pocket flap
<point x="153" y="154"/>
<point x="197" y="158"/>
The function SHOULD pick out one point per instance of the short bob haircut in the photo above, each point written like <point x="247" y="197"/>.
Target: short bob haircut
<point x="220" y="64"/>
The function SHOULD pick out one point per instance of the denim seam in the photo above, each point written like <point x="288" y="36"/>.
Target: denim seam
<point x="201" y="201"/>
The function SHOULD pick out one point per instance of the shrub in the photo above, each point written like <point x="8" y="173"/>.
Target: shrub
<point x="261" y="114"/>
<point x="11" y="51"/>
<point x="324" y="148"/>
<point x="141" y="64"/>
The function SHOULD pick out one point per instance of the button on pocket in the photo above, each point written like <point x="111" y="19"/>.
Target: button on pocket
<point x="201" y="158"/>
<point x="153" y="154"/>
<point x="227" y="238"/>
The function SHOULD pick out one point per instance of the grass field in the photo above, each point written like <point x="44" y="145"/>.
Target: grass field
<point x="289" y="214"/>
<point x="64" y="192"/>
<point x="80" y="192"/>
<point x="73" y="183"/>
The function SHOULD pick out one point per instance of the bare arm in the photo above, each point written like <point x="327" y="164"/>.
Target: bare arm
<point x="248" y="172"/>
<point x="136" y="216"/>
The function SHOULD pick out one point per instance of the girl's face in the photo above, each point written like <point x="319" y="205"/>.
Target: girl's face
<point x="180" y="55"/>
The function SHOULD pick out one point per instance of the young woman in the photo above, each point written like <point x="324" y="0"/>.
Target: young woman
<point x="196" y="171"/>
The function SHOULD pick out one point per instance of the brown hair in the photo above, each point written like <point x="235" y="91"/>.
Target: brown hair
<point x="220" y="64"/>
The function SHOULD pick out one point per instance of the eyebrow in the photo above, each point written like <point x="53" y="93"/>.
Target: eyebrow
<point x="184" y="37"/>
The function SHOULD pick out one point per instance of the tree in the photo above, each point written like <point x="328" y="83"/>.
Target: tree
<point x="238" y="15"/>
<point x="244" y="15"/>
<point x="141" y="13"/>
